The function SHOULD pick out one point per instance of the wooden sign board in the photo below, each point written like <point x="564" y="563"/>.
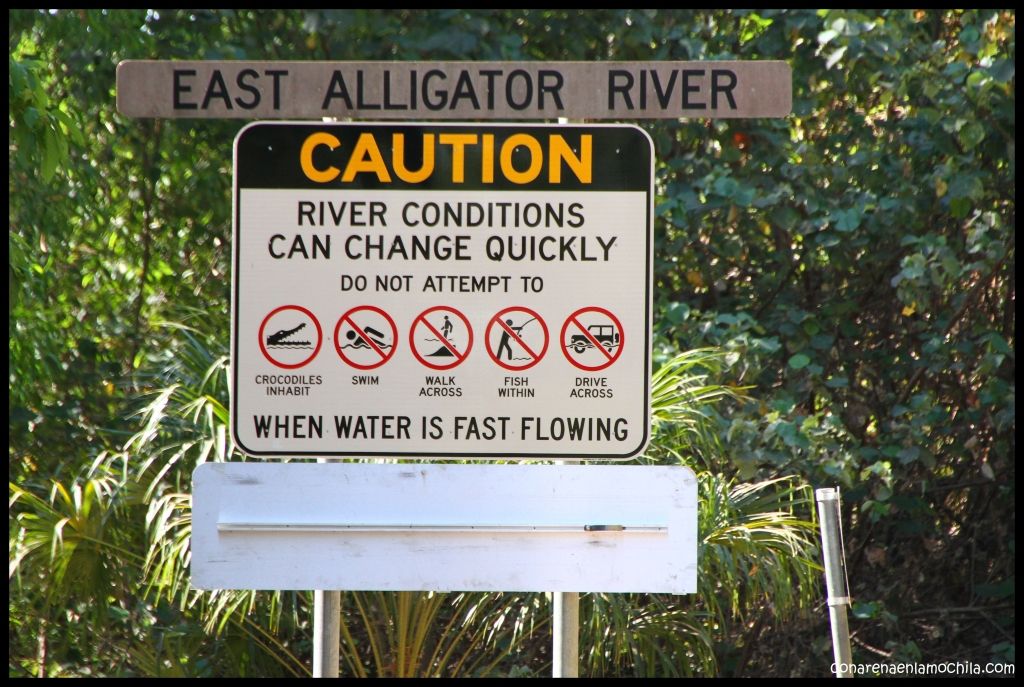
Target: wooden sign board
<point x="454" y="90"/>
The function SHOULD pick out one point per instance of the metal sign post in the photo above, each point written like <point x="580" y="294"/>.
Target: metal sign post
<point x="326" y="627"/>
<point x="836" y="584"/>
<point x="326" y="632"/>
<point x="565" y="658"/>
<point x="565" y="628"/>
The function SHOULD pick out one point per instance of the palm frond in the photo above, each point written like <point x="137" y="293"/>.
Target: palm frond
<point x="643" y="635"/>
<point x="66" y="537"/>
<point x="683" y="401"/>
<point x="758" y="545"/>
<point x="431" y="634"/>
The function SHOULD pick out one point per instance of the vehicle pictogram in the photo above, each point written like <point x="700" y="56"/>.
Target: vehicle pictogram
<point x="592" y="338"/>
<point x="365" y="337"/>
<point x="441" y="337"/>
<point x="516" y="338"/>
<point x="290" y="336"/>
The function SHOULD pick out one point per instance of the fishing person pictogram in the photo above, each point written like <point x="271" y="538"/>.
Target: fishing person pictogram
<point x="508" y="331"/>
<point x="516" y="338"/>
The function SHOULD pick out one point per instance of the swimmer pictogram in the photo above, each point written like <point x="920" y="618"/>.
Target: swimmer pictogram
<point x="365" y="337"/>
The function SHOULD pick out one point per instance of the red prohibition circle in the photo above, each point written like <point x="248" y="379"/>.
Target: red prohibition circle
<point x="319" y="337"/>
<point x="422" y="318"/>
<point x="611" y="358"/>
<point x="384" y="356"/>
<point x="536" y="357"/>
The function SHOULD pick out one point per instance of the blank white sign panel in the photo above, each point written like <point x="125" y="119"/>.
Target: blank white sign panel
<point x="594" y="528"/>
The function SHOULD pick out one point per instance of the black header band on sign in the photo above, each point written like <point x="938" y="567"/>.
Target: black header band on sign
<point x="468" y="158"/>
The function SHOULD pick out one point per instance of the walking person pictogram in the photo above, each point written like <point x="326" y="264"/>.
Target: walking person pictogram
<point x="441" y="337"/>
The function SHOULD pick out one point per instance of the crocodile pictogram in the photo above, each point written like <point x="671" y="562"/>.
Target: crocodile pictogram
<point x="277" y="339"/>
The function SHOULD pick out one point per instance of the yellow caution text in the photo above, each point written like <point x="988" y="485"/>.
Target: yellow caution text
<point x="450" y="158"/>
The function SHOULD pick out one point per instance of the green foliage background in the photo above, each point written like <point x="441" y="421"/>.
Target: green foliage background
<point x="854" y="261"/>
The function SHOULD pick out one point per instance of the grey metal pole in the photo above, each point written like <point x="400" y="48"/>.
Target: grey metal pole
<point x="326" y="632"/>
<point x="326" y="625"/>
<point x="566" y="635"/>
<point x="565" y="621"/>
<point x="835" y="577"/>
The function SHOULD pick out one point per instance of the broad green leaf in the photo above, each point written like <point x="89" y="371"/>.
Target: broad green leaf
<point x="971" y="135"/>
<point x="847" y="220"/>
<point x="799" y="361"/>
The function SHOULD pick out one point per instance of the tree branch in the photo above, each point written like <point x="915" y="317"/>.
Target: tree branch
<point x="151" y="143"/>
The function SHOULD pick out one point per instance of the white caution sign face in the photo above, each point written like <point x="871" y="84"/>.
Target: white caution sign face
<point x="484" y="291"/>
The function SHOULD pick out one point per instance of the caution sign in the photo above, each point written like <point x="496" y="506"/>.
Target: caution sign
<point x="489" y="289"/>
